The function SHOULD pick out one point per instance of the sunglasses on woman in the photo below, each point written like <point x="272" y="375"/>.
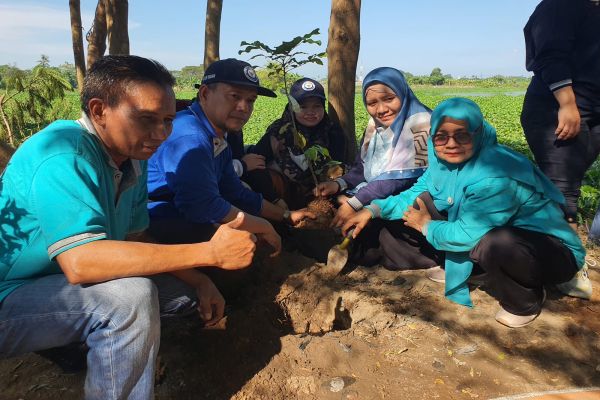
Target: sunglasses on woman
<point x="441" y="139"/>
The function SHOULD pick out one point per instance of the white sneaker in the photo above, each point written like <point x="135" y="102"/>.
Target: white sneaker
<point x="436" y="274"/>
<point x="514" y="321"/>
<point x="517" y="321"/>
<point x="579" y="286"/>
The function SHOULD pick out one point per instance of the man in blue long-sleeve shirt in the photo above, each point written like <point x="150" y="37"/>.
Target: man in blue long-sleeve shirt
<point x="192" y="184"/>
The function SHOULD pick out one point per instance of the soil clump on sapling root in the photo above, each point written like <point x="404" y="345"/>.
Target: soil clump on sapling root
<point x="324" y="212"/>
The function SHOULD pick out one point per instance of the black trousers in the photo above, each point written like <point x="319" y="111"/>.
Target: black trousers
<point x="180" y="231"/>
<point x="563" y="161"/>
<point x="260" y="181"/>
<point x="518" y="262"/>
<point x="274" y="185"/>
<point x="396" y="246"/>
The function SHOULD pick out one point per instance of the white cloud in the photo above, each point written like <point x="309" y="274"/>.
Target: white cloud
<point x="24" y="18"/>
<point x="31" y="29"/>
<point x="28" y="30"/>
<point x="27" y="17"/>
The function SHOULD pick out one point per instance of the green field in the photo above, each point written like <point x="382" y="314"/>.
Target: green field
<point x="501" y="109"/>
<point x="501" y="106"/>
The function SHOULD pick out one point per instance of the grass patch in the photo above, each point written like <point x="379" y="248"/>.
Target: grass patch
<point x="500" y="105"/>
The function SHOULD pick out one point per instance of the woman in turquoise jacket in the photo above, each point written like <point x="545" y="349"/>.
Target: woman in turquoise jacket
<point x="484" y="204"/>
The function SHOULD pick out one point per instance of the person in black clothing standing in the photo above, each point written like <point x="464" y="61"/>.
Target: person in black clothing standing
<point x="561" y="112"/>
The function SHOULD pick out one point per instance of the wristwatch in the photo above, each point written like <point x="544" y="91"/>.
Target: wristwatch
<point x="287" y="216"/>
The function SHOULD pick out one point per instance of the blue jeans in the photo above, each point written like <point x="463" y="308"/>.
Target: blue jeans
<point x="119" y="320"/>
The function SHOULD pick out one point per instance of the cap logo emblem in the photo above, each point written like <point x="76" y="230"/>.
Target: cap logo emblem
<point x="207" y="77"/>
<point x="250" y="74"/>
<point x="308" y="86"/>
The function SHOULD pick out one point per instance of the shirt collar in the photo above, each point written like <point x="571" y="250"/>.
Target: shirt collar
<point x="219" y="144"/>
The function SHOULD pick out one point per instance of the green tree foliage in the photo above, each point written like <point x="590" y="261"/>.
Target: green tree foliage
<point x="5" y="72"/>
<point x="272" y="78"/>
<point x="283" y="59"/>
<point x="188" y="76"/>
<point x="436" y="77"/>
<point x="26" y="99"/>
<point x="68" y="71"/>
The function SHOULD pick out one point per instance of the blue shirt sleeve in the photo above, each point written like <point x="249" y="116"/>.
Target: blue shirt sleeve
<point x="356" y="173"/>
<point x="393" y="207"/>
<point x="381" y="189"/>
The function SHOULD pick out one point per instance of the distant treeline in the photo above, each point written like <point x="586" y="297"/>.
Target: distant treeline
<point x="437" y="78"/>
<point x="190" y="75"/>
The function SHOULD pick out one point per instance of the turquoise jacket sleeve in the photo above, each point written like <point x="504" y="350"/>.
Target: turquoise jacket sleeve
<point x="393" y="207"/>
<point x="487" y="204"/>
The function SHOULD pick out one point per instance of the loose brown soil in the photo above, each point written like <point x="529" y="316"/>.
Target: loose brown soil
<point x="324" y="212"/>
<point x="293" y="330"/>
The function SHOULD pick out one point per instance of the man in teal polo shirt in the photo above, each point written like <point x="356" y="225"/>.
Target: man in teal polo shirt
<point x="72" y="205"/>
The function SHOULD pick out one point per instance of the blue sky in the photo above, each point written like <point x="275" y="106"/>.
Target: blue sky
<point x="462" y="37"/>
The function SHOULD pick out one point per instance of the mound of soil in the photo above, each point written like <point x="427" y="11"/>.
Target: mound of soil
<point x="294" y="332"/>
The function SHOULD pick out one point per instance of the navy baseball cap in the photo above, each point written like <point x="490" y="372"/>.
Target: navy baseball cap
<point x="306" y="87"/>
<point x="234" y="72"/>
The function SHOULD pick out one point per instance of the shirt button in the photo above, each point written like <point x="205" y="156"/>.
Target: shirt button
<point x="450" y="200"/>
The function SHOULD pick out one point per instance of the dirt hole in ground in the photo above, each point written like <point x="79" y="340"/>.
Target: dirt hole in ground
<point x="342" y="319"/>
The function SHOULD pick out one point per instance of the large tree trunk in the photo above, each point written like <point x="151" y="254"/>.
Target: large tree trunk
<point x="212" y="31"/>
<point x="77" y="41"/>
<point x="116" y="23"/>
<point x="96" y="36"/>
<point x="342" y="55"/>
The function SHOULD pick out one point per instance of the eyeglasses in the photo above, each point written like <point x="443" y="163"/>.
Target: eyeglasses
<point x="441" y="139"/>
